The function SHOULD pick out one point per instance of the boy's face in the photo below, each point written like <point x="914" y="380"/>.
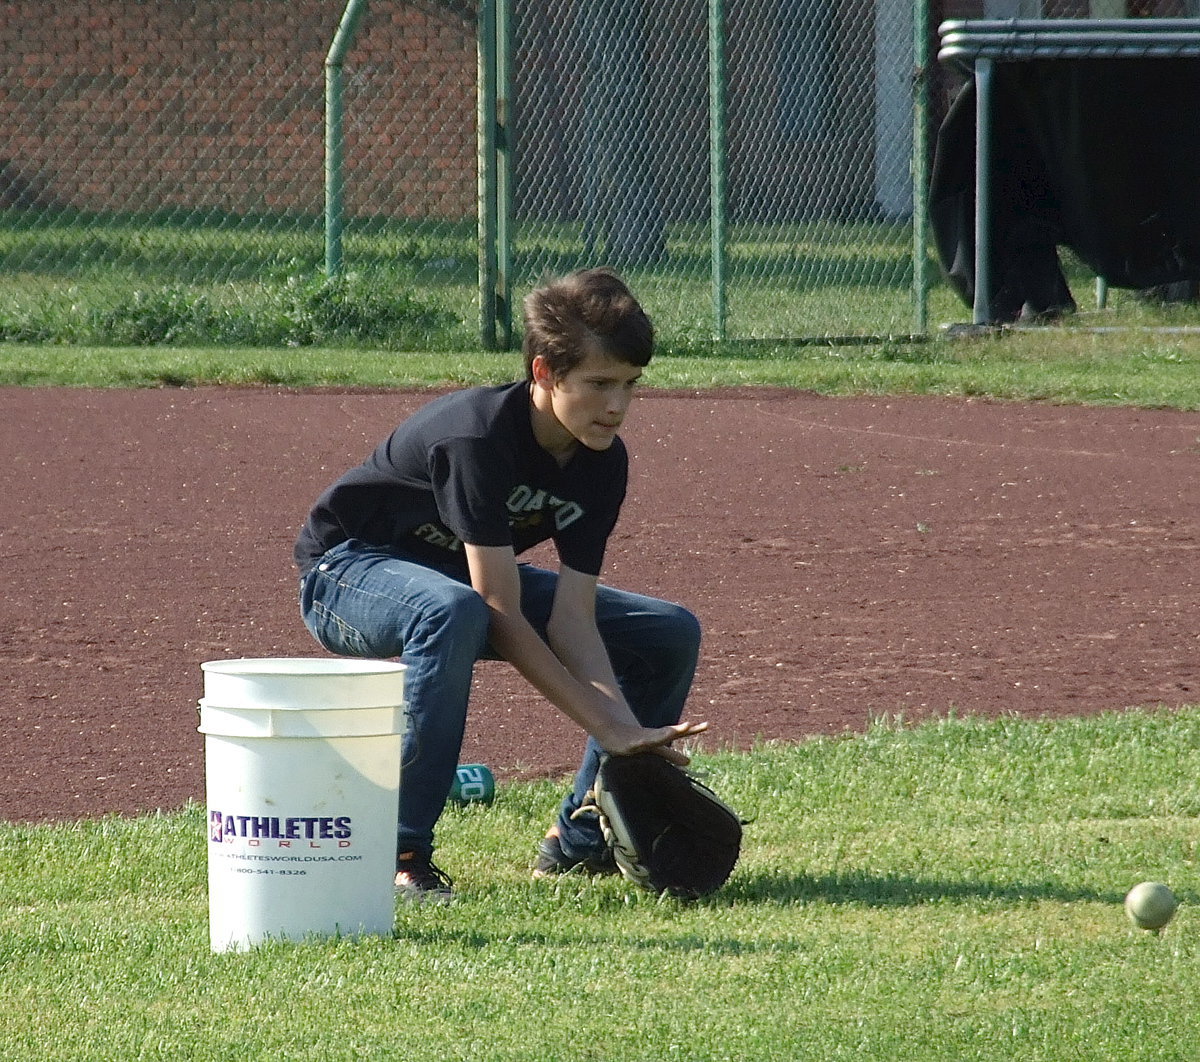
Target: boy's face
<point x="588" y="403"/>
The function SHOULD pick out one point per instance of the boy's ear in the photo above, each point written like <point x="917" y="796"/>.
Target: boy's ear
<point x="542" y="376"/>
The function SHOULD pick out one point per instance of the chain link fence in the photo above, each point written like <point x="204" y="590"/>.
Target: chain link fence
<point x="753" y="159"/>
<point x="748" y="164"/>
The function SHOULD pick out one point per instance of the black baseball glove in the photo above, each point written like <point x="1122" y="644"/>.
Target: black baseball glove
<point x="668" y="832"/>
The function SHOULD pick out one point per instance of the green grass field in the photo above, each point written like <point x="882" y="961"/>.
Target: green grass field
<point x="947" y="891"/>
<point x="122" y="303"/>
<point x="1136" y="368"/>
<point x="121" y="280"/>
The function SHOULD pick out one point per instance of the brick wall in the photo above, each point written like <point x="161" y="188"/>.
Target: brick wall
<point x="219" y="106"/>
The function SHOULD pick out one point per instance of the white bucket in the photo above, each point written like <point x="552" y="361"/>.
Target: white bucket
<point x="302" y="764"/>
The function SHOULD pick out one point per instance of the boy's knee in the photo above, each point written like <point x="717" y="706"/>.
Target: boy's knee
<point x="462" y="608"/>
<point x="686" y="625"/>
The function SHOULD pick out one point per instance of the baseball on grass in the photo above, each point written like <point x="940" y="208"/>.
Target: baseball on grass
<point x="1150" y="905"/>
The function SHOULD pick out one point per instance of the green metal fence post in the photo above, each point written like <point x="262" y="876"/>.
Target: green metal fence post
<point x="343" y="40"/>
<point x="504" y="172"/>
<point x="982" y="308"/>
<point x="717" y="159"/>
<point x="486" y="140"/>
<point x="920" y="164"/>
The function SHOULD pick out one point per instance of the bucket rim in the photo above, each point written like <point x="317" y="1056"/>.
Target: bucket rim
<point x="307" y="666"/>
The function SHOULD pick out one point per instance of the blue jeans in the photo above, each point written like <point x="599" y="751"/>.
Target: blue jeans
<point x="367" y="601"/>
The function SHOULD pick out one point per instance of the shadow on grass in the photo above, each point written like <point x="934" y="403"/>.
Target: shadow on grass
<point x="893" y="890"/>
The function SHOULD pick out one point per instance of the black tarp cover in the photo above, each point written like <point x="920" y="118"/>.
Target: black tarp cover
<point x="1098" y="155"/>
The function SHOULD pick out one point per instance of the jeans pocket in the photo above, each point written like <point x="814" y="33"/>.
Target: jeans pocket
<point x="331" y="630"/>
<point x="334" y="633"/>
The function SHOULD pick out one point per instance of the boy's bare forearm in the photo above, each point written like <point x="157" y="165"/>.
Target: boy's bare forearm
<point x="593" y="704"/>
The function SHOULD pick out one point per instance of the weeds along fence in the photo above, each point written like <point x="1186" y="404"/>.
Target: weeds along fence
<point x="299" y="170"/>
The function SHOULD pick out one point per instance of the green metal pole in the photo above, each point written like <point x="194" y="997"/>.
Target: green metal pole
<point x="486" y="139"/>
<point x="335" y="178"/>
<point x="920" y="164"/>
<point x="982" y="309"/>
<point x="504" y="172"/>
<point x="717" y="159"/>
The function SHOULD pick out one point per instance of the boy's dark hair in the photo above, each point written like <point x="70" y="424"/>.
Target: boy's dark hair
<point x="587" y="309"/>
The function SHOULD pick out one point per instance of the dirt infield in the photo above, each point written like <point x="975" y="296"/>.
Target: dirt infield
<point x="849" y="558"/>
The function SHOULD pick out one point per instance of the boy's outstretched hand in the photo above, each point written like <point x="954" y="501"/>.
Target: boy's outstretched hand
<point x="657" y="739"/>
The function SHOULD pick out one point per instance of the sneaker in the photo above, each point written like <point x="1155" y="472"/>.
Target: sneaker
<point x="552" y="860"/>
<point x="419" y="880"/>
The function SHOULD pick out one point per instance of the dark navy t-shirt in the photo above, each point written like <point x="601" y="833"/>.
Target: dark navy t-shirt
<point x="467" y="468"/>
